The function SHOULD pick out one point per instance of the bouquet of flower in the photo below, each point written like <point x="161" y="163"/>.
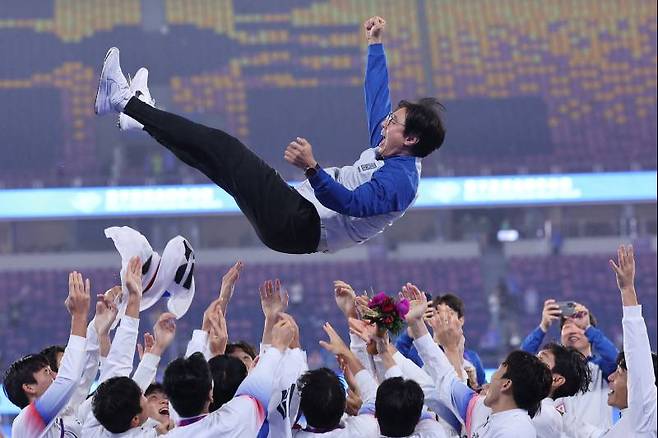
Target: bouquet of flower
<point x="386" y="312"/>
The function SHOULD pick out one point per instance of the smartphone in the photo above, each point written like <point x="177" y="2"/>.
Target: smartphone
<point x="568" y="308"/>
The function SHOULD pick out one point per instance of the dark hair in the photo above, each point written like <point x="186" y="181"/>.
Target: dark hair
<point x="155" y="388"/>
<point x="242" y="345"/>
<point x="572" y="365"/>
<point x="322" y="398"/>
<point x="398" y="406"/>
<point x="227" y="373"/>
<point x="423" y="120"/>
<point x="116" y="402"/>
<point x="452" y="301"/>
<point x="187" y="383"/>
<point x="531" y="380"/>
<point x="21" y="373"/>
<point x="592" y="320"/>
<point x="621" y="362"/>
<point x="50" y="353"/>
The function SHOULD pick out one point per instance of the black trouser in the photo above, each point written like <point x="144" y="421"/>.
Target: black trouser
<point x="283" y="219"/>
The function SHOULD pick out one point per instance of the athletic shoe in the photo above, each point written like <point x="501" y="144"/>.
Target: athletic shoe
<point x="138" y="88"/>
<point x="113" y="90"/>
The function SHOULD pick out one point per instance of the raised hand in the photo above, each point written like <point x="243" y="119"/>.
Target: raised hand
<point x="273" y="300"/>
<point x="164" y="332"/>
<point x="133" y="277"/>
<point x="218" y="336"/>
<point x="345" y="296"/>
<point x="77" y="303"/>
<point x="418" y="304"/>
<point x="447" y="330"/>
<point x="228" y="284"/>
<point x="624" y="268"/>
<point x="282" y="334"/>
<point x="362" y="329"/>
<point x="106" y="311"/>
<point x="335" y="344"/>
<point x="299" y="153"/>
<point x="374" y="27"/>
<point x="549" y="314"/>
<point x="581" y="317"/>
<point x="147" y="347"/>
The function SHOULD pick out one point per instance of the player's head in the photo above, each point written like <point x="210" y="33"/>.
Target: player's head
<point x="522" y="379"/>
<point x="569" y="369"/>
<point x="188" y="384"/>
<point x="573" y="336"/>
<point x="398" y="406"/>
<point x="243" y="351"/>
<point x="119" y="405"/>
<point x="27" y="379"/>
<point x="618" y="381"/>
<point x="451" y="303"/>
<point x="158" y="402"/>
<point x="227" y="375"/>
<point x="54" y="354"/>
<point x="414" y="128"/>
<point x="322" y="398"/>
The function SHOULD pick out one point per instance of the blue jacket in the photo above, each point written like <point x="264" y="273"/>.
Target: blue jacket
<point x="605" y="355"/>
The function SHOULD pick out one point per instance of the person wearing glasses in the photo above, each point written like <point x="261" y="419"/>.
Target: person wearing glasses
<point x="335" y="207"/>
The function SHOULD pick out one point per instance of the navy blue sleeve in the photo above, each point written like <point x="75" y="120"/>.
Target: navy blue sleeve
<point x="405" y="345"/>
<point x="378" y="98"/>
<point x="474" y="358"/>
<point x="390" y="189"/>
<point x="533" y="341"/>
<point x="605" y="351"/>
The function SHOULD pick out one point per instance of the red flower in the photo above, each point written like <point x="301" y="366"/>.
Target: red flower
<point x="388" y="320"/>
<point x="388" y="306"/>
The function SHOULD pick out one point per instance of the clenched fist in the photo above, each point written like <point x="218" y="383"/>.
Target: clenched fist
<point x="374" y="28"/>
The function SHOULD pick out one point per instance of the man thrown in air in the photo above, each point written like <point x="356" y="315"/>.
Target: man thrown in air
<point x="335" y="207"/>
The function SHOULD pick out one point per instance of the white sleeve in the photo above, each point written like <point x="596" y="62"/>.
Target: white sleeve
<point x="394" y="371"/>
<point x="119" y="361"/>
<point x="260" y="382"/>
<point x="359" y="348"/>
<point x="428" y="428"/>
<point x="367" y="386"/>
<point x="58" y="394"/>
<point x="146" y="370"/>
<point x="198" y="344"/>
<point x="641" y="379"/>
<point x="91" y="362"/>
<point x="449" y="389"/>
<point x="412" y="371"/>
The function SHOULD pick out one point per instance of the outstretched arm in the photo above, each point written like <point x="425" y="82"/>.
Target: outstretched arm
<point x="642" y="393"/>
<point x="378" y="97"/>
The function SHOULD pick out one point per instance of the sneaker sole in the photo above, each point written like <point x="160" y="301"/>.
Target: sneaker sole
<point x="100" y="80"/>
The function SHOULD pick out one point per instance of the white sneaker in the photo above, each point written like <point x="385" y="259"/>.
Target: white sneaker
<point x="138" y="88"/>
<point x="113" y="91"/>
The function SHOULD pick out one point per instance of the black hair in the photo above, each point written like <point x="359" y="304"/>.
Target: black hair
<point x="398" y="406"/>
<point x="452" y="301"/>
<point x="21" y="373"/>
<point x="241" y="345"/>
<point x="531" y="380"/>
<point x="116" y="402"/>
<point x="322" y="398"/>
<point x="187" y="383"/>
<point x="154" y="388"/>
<point x="424" y="121"/>
<point x="50" y="353"/>
<point x="227" y="372"/>
<point x="572" y="365"/>
<point x="621" y="363"/>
